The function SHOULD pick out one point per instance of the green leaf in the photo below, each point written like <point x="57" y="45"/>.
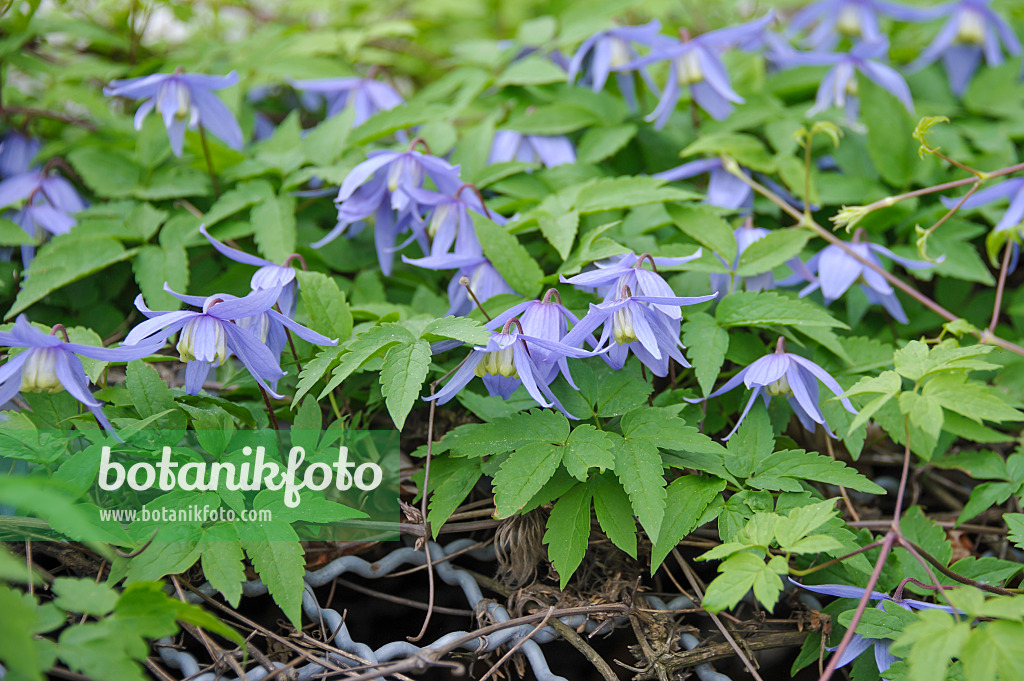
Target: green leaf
<point x="273" y="224"/>
<point x="18" y="649"/>
<point x="506" y="434"/>
<point x="568" y="531"/>
<point x="388" y="122"/>
<point x="739" y="574"/>
<point x="890" y="143"/>
<point x="762" y="308"/>
<point x="150" y="394"/>
<point x="222" y="560"/>
<point x="746" y="149"/>
<point x="639" y="468"/>
<point x="928" y="644"/>
<point x="109" y="172"/>
<point x="155" y="265"/>
<point x="405" y="369"/>
<point x="13" y="235"/>
<point x="972" y="399"/>
<point x="597" y="144"/>
<point x="753" y="442"/>
<point x="588" y="448"/>
<point x="522" y="475"/>
<point x="508" y="256"/>
<point x="772" y="250"/>
<point x="325" y="302"/>
<point x="313" y="371"/>
<point x="1015" y="523"/>
<point x="560" y="231"/>
<point x="706" y="344"/>
<point x="457" y="328"/>
<point x="238" y="198"/>
<point x="626" y="192"/>
<point x="701" y="223"/>
<point x="84" y="596"/>
<point x="786" y="469"/>
<point x="687" y="499"/>
<point x="65" y="259"/>
<point x="531" y="70"/>
<point x="801" y="522"/>
<point x="554" y="119"/>
<point x="364" y="346"/>
<point x="451" y="481"/>
<point x="927" y="534"/>
<point x="277" y="556"/>
<point x="614" y="512"/>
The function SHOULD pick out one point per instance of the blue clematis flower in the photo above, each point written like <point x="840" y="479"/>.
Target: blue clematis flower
<point x="839" y="86"/>
<point x="269" y="275"/>
<point x="548" y="150"/>
<point x="696" y="63"/>
<point x="49" y="364"/>
<point x="791" y="376"/>
<point x="972" y="31"/>
<point x="449" y="222"/>
<point x="16" y="153"/>
<point x="836" y="271"/>
<point x="226" y="325"/>
<point x="510" y="359"/>
<point x="1010" y="223"/>
<point x="49" y="203"/>
<point x="184" y="100"/>
<point x="860" y="644"/>
<point x="380" y="186"/>
<point x="547" y="319"/>
<point x="610" y="276"/>
<point x="612" y="51"/>
<point x="365" y="96"/>
<point x="854" y="19"/>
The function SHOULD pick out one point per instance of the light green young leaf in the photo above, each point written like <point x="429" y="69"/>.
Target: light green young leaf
<point x="522" y="475"/>
<point x="326" y="304"/>
<point x="687" y="498"/>
<point x="273" y="224"/>
<point x="401" y="379"/>
<point x="586" y="448"/>
<point x="639" y="469"/>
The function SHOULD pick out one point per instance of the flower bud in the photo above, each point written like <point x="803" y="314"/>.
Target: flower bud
<point x="39" y="374"/>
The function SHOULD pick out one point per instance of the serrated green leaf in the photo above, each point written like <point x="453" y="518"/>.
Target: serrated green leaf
<point x="326" y="304"/>
<point x="568" y="531"/>
<point x="687" y="498"/>
<point x="275" y="552"/>
<point x="17" y="644"/>
<point x="627" y="192"/>
<point x="273" y="225"/>
<point x="451" y="481"/>
<point x="508" y="256"/>
<point x="457" y="328"/>
<point x="740" y="573"/>
<point x="238" y="198"/>
<point x="751" y="444"/>
<point x="706" y="344"/>
<point x="364" y="346"/>
<point x="597" y="144"/>
<point x="586" y="448"/>
<point x="762" y="308"/>
<point x="155" y="265"/>
<point x="66" y="259"/>
<point x="614" y="512"/>
<point x="401" y="379"/>
<point x="701" y="223"/>
<point x="772" y="250"/>
<point x="972" y="399"/>
<point x="222" y="560"/>
<point x="638" y="467"/>
<point x="522" y="474"/>
<point x="746" y="149"/>
<point x="890" y="138"/>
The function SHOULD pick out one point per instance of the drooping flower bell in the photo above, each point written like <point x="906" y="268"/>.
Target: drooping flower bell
<point x="835" y="271"/>
<point x="839" y="86"/>
<point x="973" y="30"/>
<point x="509" y="360"/>
<point x="695" y="63"/>
<point x="547" y="319"/>
<point x="783" y="374"/>
<point x="380" y="186"/>
<point x="548" y="150"/>
<point x="225" y="326"/>
<point x="183" y="100"/>
<point x="16" y="153"/>
<point x="860" y="644"/>
<point x="854" y="19"/>
<point x="365" y="96"/>
<point x="50" y="201"/>
<point x="49" y="364"/>
<point x="612" y="51"/>
<point x="610" y="276"/>
<point x="269" y="275"/>
<point x="449" y="224"/>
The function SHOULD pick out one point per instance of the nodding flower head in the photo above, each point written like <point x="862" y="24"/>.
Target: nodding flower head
<point x="783" y="374"/>
<point x="184" y="101"/>
<point x="49" y="363"/>
<point x="269" y="275"/>
<point x="510" y="359"/>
